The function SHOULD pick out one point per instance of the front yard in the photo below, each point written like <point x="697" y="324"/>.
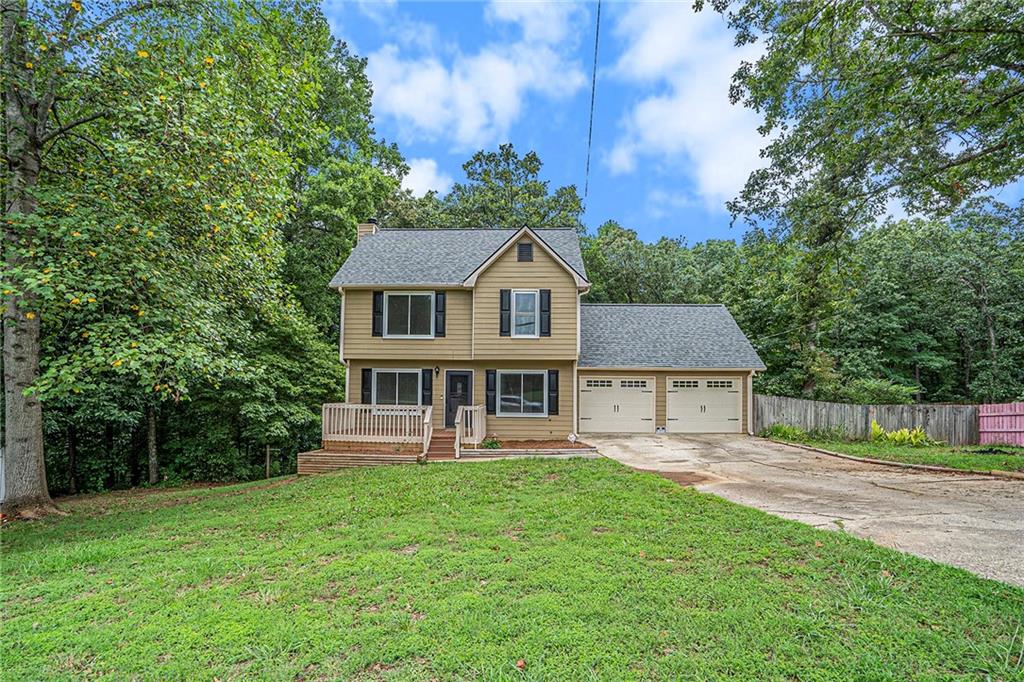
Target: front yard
<point x="533" y="569"/>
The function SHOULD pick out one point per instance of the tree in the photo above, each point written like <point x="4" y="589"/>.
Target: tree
<point x="134" y="133"/>
<point x="502" y="189"/>
<point x="918" y="100"/>
<point x="337" y="183"/>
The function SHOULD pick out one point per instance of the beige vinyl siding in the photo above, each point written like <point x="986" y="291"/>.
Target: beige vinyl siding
<point x="509" y="428"/>
<point x="660" y="377"/>
<point x="359" y="341"/>
<point x="544" y="272"/>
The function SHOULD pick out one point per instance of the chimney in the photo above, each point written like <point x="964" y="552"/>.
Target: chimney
<point x="366" y="229"/>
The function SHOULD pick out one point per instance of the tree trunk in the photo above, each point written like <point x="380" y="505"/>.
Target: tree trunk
<point x="72" y="459"/>
<point x="154" y="465"/>
<point x="25" y="492"/>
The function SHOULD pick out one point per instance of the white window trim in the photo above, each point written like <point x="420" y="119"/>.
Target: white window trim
<point x="433" y="308"/>
<point x="397" y="370"/>
<point x="536" y="313"/>
<point x="519" y="415"/>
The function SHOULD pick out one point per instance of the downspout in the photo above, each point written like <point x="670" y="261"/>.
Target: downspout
<point x="750" y="403"/>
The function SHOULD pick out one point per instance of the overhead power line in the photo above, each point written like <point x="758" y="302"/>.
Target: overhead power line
<point x="593" y="92"/>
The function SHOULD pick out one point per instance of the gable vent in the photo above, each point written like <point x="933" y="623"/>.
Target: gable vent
<point x="525" y="251"/>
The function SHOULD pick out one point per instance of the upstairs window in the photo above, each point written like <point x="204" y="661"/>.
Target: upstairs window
<point x="524" y="251"/>
<point x="409" y="315"/>
<point x="525" y="313"/>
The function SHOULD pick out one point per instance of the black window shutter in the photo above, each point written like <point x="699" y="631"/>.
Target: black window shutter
<point x="427" y="390"/>
<point x="506" y="312"/>
<point x="552" y="391"/>
<point x="439" y="309"/>
<point x="366" y="391"/>
<point x="545" y="312"/>
<point x="378" y="313"/>
<point x="492" y="382"/>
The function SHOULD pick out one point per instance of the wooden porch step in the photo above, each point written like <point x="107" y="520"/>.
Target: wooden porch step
<point x="320" y="461"/>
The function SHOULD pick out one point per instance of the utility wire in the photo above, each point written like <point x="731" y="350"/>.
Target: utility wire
<point x="593" y="92"/>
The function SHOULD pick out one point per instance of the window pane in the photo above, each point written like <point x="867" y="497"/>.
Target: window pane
<point x="533" y="394"/>
<point x="422" y="311"/>
<point x="510" y="393"/>
<point x="398" y="314"/>
<point x="408" y="389"/>
<point x="526" y="313"/>
<point x="385" y="388"/>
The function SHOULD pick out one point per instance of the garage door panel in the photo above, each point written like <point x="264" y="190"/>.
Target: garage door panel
<point x="703" y="405"/>
<point x="617" y="404"/>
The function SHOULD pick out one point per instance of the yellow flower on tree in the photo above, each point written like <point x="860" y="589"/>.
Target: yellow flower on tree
<point x="30" y="315"/>
<point x="75" y="301"/>
<point x="209" y="61"/>
<point x="75" y="5"/>
<point x="117" y="363"/>
<point x="142" y="54"/>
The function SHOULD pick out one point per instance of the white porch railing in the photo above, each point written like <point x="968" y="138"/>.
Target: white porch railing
<point x="470" y="426"/>
<point x="377" y="423"/>
<point x="428" y="430"/>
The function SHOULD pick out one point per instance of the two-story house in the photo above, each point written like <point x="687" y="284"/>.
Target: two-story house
<point x="453" y="335"/>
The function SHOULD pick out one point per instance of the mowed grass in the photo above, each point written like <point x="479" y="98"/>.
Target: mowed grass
<point x="581" y="569"/>
<point x="973" y="457"/>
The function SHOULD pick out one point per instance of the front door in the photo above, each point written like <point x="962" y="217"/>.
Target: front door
<point x="458" y="391"/>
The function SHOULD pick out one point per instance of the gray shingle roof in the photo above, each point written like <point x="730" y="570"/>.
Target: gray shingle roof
<point x="398" y="257"/>
<point x="677" y="336"/>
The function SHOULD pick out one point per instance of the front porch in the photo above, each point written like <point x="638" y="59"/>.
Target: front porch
<point x="355" y="434"/>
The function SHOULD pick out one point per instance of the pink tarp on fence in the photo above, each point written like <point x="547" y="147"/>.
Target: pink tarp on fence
<point x="1001" y="424"/>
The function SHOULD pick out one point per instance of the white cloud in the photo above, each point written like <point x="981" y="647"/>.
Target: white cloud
<point x="663" y="203"/>
<point x="541" y="22"/>
<point x="690" y="57"/>
<point x="473" y="99"/>
<point x="424" y="176"/>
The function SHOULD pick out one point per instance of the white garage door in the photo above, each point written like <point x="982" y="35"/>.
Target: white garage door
<point x="703" y="405"/>
<point x="617" y="404"/>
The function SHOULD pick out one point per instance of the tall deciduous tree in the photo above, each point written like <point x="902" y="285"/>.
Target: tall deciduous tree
<point x="148" y="150"/>
<point x="502" y="189"/>
<point x="919" y="100"/>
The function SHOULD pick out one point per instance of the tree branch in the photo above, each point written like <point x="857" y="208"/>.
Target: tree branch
<point x="74" y="124"/>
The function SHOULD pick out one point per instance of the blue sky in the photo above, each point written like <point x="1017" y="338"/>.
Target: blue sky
<point x="669" y="149"/>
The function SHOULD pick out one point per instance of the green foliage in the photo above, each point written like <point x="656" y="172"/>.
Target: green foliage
<point x="915" y="437"/>
<point x="862" y="102"/>
<point x="974" y="458"/>
<point x="784" y="432"/>
<point x="501" y="189"/>
<point x="909" y="310"/>
<point x="491" y="443"/>
<point x="182" y="236"/>
<point x="359" y="575"/>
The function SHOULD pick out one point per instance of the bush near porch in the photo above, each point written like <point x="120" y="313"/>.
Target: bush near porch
<point x="515" y="569"/>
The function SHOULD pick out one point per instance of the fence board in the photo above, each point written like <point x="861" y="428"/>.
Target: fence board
<point x="1001" y="424"/>
<point x="954" y="424"/>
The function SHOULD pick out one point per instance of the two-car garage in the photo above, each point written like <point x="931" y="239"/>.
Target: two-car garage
<point x="620" y="403"/>
<point x="659" y="368"/>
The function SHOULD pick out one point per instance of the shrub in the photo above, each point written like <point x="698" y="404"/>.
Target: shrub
<point x="914" y="438"/>
<point x="784" y="432"/>
<point x="866" y="391"/>
<point x="491" y="443"/>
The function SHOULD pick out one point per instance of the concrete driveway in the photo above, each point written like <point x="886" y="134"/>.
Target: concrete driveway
<point x="974" y="522"/>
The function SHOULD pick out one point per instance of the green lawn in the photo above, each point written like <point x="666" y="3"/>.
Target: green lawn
<point x="977" y="457"/>
<point x="582" y="569"/>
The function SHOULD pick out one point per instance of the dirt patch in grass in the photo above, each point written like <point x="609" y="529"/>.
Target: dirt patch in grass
<point x="683" y="478"/>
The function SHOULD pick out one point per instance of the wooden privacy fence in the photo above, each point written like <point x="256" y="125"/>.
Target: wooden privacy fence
<point x="1001" y="424"/>
<point x="954" y="424"/>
